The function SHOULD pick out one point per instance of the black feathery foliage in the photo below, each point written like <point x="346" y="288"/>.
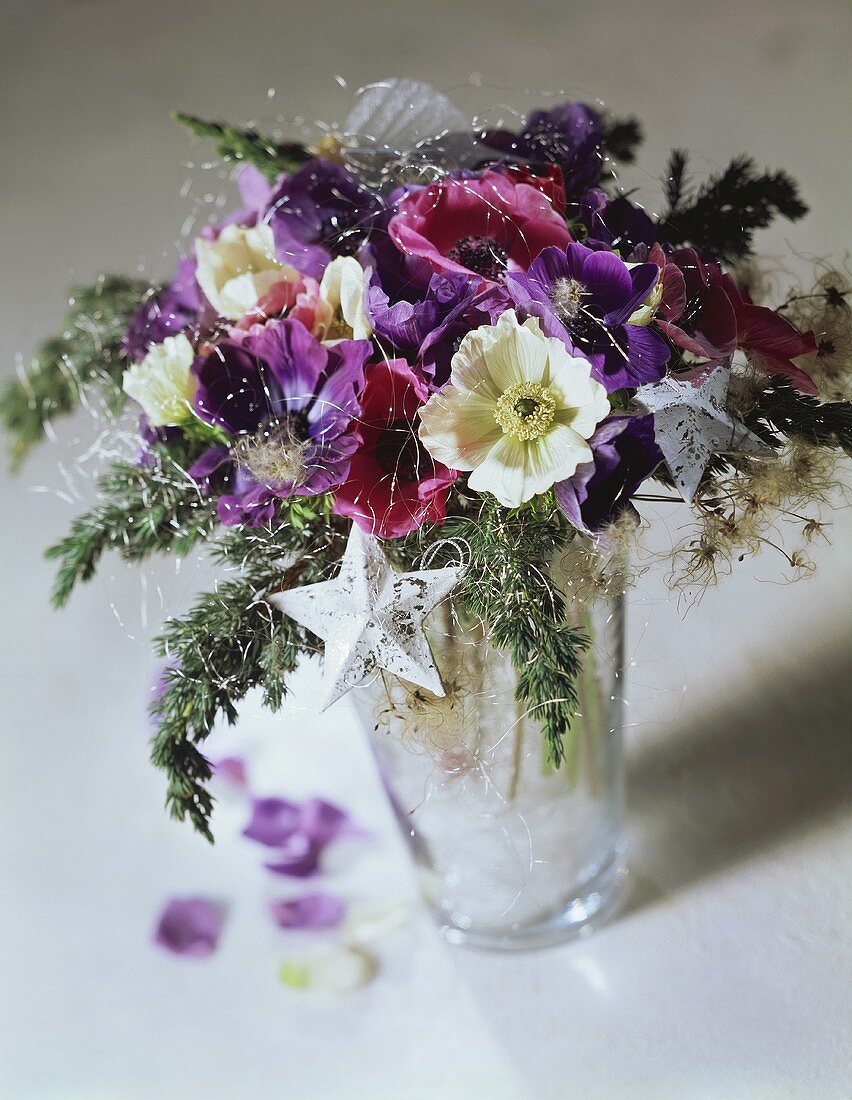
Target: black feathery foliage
<point x="720" y="217"/>
<point x="622" y="137"/>
<point x="782" y="411"/>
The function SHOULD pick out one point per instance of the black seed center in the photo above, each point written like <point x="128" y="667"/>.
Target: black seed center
<point x="480" y="254"/>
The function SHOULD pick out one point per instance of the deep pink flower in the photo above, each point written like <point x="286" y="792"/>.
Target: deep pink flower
<point x="717" y="318"/>
<point x="774" y="340"/>
<point x="486" y="224"/>
<point x="394" y="485"/>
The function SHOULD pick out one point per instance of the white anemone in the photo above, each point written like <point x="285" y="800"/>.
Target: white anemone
<point x="163" y="382"/>
<point x="238" y="268"/>
<point x="343" y="289"/>
<point x="518" y="411"/>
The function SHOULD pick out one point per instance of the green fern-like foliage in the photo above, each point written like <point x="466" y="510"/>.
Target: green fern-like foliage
<point x="247" y="146"/>
<point x="87" y="352"/>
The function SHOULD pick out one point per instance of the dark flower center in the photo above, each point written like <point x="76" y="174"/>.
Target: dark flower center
<point x="399" y="452"/>
<point x="480" y="254"/>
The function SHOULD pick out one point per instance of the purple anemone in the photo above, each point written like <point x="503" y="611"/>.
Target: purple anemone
<point x="428" y="329"/>
<point x="584" y="298"/>
<point x="319" y="212"/>
<point x="617" y="223"/>
<point x="289" y="401"/>
<point x="624" y="454"/>
<point x="569" y="135"/>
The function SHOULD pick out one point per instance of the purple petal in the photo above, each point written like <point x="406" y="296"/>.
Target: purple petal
<point x="643" y="279"/>
<point x="298" y="859"/>
<point x="607" y="281"/>
<point x="273" y="821"/>
<point x="294" y="358"/>
<point x="624" y="455"/>
<point x="338" y="388"/>
<point x="232" y="393"/>
<point x="233" y="769"/>
<point x="312" y="911"/>
<point x="190" y="926"/>
<point x="322" y="821"/>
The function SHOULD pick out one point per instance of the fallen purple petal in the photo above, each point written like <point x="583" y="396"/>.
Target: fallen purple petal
<point x="232" y="769"/>
<point x="312" y="911"/>
<point x="273" y="821"/>
<point x="322" y="821"/>
<point x="190" y="926"/>
<point x="299" y="858"/>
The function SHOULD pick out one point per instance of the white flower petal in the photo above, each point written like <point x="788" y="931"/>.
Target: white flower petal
<point x="519" y="355"/>
<point x="224" y="263"/>
<point x="335" y="969"/>
<point x="366" y="928"/>
<point x="343" y="288"/>
<point x="163" y="382"/>
<point x="503" y="472"/>
<point x="458" y="428"/>
<point x="557" y="455"/>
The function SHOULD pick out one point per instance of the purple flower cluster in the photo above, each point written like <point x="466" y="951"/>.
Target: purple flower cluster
<point x="358" y="296"/>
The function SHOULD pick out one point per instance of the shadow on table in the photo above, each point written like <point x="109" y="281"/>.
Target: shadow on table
<point x="760" y="768"/>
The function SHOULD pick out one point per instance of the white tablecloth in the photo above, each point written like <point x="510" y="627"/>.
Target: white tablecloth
<point x="728" y="974"/>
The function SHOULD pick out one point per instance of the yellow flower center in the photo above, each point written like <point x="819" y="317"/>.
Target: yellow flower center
<point x="525" y="410"/>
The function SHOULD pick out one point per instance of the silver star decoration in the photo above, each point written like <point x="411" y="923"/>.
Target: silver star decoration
<point x="370" y="618"/>
<point x="691" y="423"/>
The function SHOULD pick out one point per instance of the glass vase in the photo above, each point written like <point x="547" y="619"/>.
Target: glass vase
<point x="511" y="853"/>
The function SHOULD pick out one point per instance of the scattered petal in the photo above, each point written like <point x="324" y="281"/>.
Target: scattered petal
<point x="337" y="969"/>
<point x="364" y="929"/>
<point x="299" y="859"/>
<point x="322" y="821"/>
<point x="313" y="911"/>
<point x="232" y="769"/>
<point x="190" y="926"/>
<point x="273" y="821"/>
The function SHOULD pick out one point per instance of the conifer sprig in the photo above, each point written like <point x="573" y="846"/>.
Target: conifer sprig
<point x="89" y="350"/>
<point x="142" y="510"/>
<point x="230" y="642"/>
<point x="720" y="217"/>
<point x="786" y="412"/>
<point x="508" y="586"/>
<point x="622" y="137"/>
<point x="248" y="146"/>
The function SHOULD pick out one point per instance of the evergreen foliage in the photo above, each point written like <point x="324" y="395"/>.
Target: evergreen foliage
<point x="88" y="351"/>
<point x="248" y="146"/>
<point x="721" y="215"/>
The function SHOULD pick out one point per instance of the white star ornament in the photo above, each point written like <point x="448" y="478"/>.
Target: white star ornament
<point x="371" y="618"/>
<point x="691" y="423"/>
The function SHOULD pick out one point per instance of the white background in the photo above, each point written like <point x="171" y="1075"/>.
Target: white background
<point x="728" y="975"/>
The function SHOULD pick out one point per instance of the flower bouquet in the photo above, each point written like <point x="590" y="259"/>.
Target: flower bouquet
<point x="408" y="397"/>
